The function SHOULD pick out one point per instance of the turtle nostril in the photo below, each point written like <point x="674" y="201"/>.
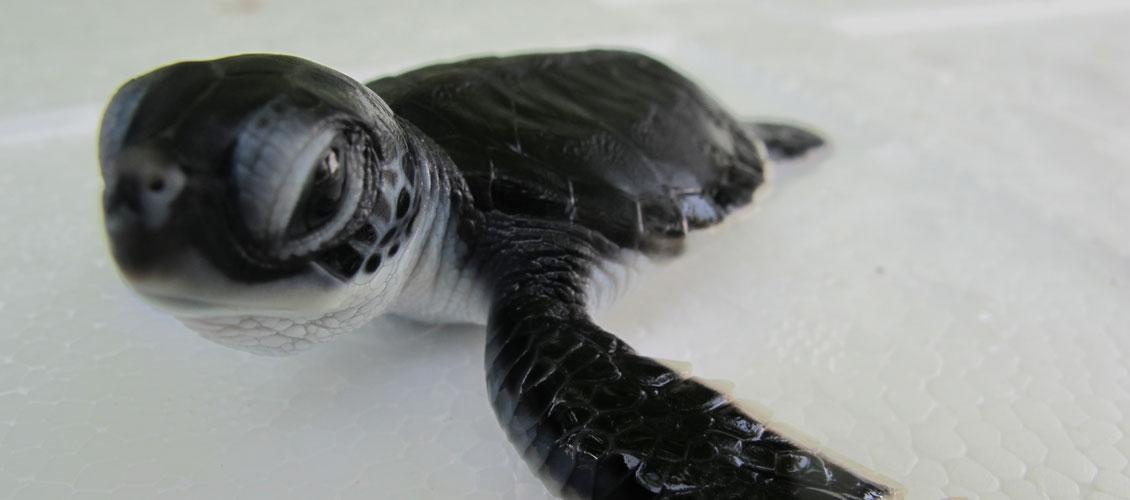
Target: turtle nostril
<point x="122" y="197"/>
<point x="139" y="217"/>
<point x="142" y="194"/>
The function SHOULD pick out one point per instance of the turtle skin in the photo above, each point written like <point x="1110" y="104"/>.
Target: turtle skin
<point x="613" y="141"/>
<point x="569" y="159"/>
<point x="596" y="419"/>
<point x="552" y="164"/>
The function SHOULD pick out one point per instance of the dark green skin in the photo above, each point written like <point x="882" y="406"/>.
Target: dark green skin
<point x="578" y="156"/>
<point x="555" y="162"/>
<point x="612" y="141"/>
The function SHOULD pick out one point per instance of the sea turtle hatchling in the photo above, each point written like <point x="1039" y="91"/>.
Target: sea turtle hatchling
<point x="271" y="203"/>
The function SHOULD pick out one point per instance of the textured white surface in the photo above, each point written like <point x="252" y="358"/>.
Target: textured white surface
<point x="946" y="300"/>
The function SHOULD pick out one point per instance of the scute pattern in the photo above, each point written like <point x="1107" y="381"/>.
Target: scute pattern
<point x="585" y="137"/>
<point x="597" y="420"/>
<point x="362" y="250"/>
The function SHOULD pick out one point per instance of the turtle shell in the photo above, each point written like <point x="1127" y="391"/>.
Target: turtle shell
<point x="615" y="141"/>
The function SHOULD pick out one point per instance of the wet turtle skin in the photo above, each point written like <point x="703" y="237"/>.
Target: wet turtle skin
<point x="546" y="166"/>
<point x="580" y="156"/>
<point x="613" y="141"/>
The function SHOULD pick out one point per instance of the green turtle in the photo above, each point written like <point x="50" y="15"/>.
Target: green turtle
<point x="271" y="203"/>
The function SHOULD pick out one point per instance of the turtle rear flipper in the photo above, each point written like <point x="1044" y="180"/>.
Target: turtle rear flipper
<point x="595" y="419"/>
<point x="786" y="142"/>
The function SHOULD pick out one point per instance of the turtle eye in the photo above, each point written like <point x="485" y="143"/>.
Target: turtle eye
<point x="322" y="197"/>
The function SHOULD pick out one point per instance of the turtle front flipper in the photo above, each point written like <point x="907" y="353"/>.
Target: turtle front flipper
<point x="596" y="420"/>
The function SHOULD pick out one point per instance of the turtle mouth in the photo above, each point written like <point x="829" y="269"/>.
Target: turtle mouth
<point x="188" y="286"/>
<point x="185" y="306"/>
<point x="193" y="307"/>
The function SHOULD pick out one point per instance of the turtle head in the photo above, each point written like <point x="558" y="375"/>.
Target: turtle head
<point x="262" y="199"/>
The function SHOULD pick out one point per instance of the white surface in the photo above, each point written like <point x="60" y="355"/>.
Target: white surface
<point x="944" y="301"/>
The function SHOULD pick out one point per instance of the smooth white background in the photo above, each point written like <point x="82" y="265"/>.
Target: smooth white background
<point x="945" y="300"/>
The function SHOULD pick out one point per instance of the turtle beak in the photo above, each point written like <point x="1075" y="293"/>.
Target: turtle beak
<point x="142" y="187"/>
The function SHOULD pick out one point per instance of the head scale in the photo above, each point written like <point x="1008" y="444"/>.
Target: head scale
<point x="261" y="198"/>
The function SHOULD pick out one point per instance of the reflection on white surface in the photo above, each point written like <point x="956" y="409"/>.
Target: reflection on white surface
<point x="66" y="123"/>
<point x="946" y="17"/>
<point x="944" y="300"/>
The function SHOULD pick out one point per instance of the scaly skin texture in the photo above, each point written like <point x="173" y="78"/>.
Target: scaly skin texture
<point x="613" y="141"/>
<point x="279" y="203"/>
<point x="599" y="421"/>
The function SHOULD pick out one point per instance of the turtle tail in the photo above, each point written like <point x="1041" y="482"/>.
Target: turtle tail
<point x="785" y="142"/>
